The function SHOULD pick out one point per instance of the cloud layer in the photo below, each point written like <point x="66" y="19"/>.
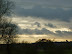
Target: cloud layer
<point x="46" y="13"/>
<point x="48" y="9"/>
<point x="44" y="17"/>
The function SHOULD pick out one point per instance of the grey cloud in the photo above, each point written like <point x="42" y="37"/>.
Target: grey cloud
<point x="63" y="33"/>
<point x="50" y="25"/>
<point x="25" y="31"/>
<point x="38" y="24"/>
<point x="59" y="33"/>
<point x="34" y="8"/>
<point x="46" y="32"/>
<point x="70" y="28"/>
<point x="51" y="3"/>
<point x="45" y="13"/>
<point x="35" y="31"/>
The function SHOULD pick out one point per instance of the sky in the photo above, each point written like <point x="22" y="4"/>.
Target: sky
<point x="50" y="19"/>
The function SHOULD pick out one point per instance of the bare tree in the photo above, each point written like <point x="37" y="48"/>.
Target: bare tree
<point x="7" y="29"/>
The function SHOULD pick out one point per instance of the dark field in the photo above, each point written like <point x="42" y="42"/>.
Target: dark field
<point x="38" y="48"/>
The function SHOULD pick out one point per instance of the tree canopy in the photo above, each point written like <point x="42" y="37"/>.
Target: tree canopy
<point x="7" y="28"/>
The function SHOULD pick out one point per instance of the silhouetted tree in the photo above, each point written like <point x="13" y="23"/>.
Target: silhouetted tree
<point x="44" y="40"/>
<point x="6" y="29"/>
<point x="66" y="40"/>
<point x="45" y="44"/>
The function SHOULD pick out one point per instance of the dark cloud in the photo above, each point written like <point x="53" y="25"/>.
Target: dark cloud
<point x="63" y="33"/>
<point x="45" y="13"/>
<point x="37" y="23"/>
<point x="48" y="13"/>
<point x="70" y="28"/>
<point x="45" y="31"/>
<point x="66" y="34"/>
<point x="35" y="31"/>
<point x="53" y="3"/>
<point x="50" y="25"/>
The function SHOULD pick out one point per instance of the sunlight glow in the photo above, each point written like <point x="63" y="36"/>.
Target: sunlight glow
<point x="33" y="38"/>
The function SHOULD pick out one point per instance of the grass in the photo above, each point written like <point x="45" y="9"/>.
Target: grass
<point x="65" y="52"/>
<point x="41" y="52"/>
<point x="68" y="51"/>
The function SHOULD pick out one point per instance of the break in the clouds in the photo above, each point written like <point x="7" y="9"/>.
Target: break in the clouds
<point x="35" y="28"/>
<point x="48" y="33"/>
<point x="39" y="23"/>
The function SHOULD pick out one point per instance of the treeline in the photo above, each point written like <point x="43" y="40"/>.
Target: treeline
<point x="42" y="46"/>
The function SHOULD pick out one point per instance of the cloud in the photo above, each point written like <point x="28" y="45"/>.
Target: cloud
<point x="44" y="31"/>
<point x="35" y="31"/>
<point x="47" y="9"/>
<point x="64" y="33"/>
<point x="50" y="25"/>
<point x="49" y="3"/>
<point x="45" y="13"/>
<point x="51" y="17"/>
<point x="37" y="23"/>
